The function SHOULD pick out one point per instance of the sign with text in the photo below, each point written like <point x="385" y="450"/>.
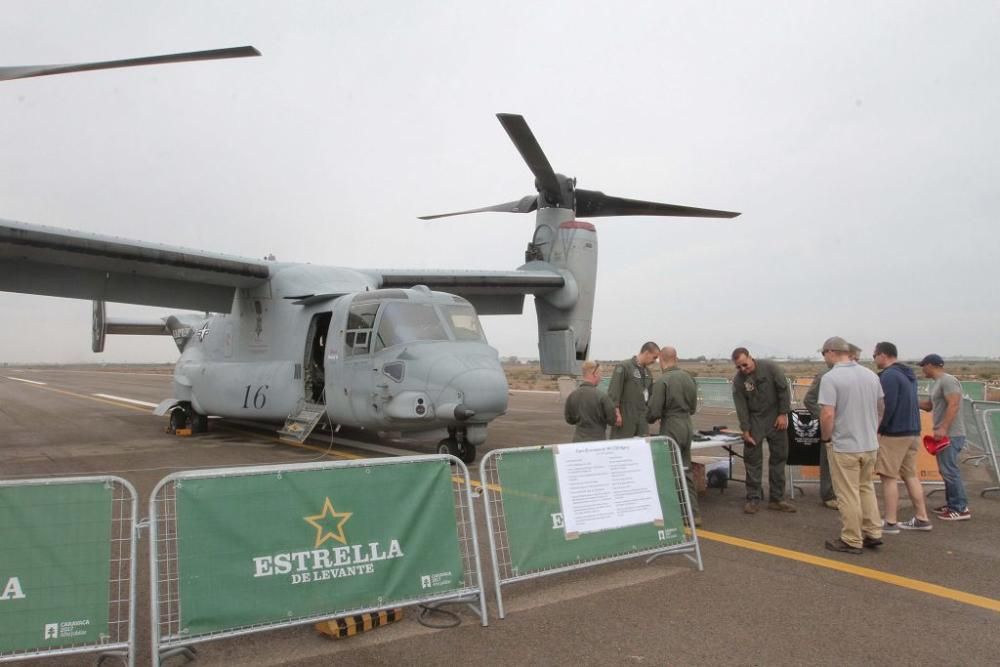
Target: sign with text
<point x="55" y="565"/>
<point x="535" y="522"/>
<point x="269" y="548"/>
<point x="606" y="485"/>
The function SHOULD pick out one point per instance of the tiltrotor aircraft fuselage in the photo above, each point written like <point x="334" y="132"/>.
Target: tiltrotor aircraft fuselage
<point x="382" y="349"/>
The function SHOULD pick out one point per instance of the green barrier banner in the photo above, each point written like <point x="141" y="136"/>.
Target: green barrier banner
<point x="715" y="392"/>
<point x="55" y="565"/>
<point x="974" y="390"/>
<point x="535" y="528"/>
<point x="268" y="548"/>
<point x="995" y="428"/>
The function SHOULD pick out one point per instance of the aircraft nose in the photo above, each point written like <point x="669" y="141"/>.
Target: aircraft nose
<point x="484" y="391"/>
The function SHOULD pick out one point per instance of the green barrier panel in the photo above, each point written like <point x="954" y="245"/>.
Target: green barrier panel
<point x="55" y="566"/>
<point x="974" y="390"/>
<point x="715" y="392"/>
<point x="267" y="548"/>
<point x="603" y="385"/>
<point x="537" y="540"/>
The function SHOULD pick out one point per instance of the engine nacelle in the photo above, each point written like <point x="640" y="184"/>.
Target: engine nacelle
<point x="565" y="316"/>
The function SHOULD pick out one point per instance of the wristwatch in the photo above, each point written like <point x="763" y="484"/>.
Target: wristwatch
<point x="824" y="442"/>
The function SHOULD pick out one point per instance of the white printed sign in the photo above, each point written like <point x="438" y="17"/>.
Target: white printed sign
<point x="607" y="485"/>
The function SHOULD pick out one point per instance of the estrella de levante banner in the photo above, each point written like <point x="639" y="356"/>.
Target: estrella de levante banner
<point x="55" y="565"/>
<point x="269" y="548"/>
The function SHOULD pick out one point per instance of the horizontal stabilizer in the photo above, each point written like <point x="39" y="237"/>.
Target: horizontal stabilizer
<point x="127" y="327"/>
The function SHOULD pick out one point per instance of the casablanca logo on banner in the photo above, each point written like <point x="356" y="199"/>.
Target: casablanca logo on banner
<point x="332" y="555"/>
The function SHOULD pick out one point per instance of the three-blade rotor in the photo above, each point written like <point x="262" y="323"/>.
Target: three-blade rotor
<point x="556" y="190"/>
<point x="25" y="72"/>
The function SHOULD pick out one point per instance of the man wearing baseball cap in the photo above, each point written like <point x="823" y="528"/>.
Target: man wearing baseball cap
<point x="946" y="407"/>
<point x="851" y="401"/>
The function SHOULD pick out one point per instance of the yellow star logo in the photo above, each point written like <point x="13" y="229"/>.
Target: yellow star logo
<point x="327" y="517"/>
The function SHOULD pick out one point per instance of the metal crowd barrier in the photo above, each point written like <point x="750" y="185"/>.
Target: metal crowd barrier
<point x="72" y="533"/>
<point x="387" y="532"/>
<point x="524" y="514"/>
<point x="975" y="437"/>
<point x="988" y="413"/>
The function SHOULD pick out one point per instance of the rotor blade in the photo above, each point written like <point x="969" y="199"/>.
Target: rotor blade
<point x="9" y="73"/>
<point x="523" y="205"/>
<point x="593" y="204"/>
<point x="531" y="152"/>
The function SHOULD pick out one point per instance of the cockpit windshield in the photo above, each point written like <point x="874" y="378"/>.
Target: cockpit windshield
<point x="404" y="322"/>
<point x="464" y="322"/>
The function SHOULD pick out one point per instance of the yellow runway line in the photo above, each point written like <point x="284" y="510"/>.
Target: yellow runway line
<point x="866" y="572"/>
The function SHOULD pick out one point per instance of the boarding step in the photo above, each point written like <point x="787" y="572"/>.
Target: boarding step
<point x="301" y="423"/>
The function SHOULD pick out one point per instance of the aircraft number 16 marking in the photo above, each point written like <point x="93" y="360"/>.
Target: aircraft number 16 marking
<point x="259" y="399"/>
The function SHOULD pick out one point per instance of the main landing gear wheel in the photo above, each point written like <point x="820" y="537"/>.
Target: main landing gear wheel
<point x="463" y="451"/>
<point x="199" y="423"/>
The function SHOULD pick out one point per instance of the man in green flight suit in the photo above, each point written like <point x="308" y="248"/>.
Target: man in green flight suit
<point x="589" y="410"/>
<point x="673" y="400"/>
<point x="629" y="391"/>
<point x="763" y="401"/>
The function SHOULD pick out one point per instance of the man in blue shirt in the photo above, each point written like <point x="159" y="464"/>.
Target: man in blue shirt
<point x="899" y="440"/>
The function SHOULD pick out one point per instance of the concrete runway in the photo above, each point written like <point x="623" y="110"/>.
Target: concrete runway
<point x="770" y="594"/>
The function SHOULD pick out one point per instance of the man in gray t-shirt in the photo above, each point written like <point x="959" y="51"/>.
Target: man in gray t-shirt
<point x="851" y="401"/>
<point x="946" y="407"/>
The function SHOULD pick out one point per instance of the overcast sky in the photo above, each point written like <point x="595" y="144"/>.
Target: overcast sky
<point x="860" y="140"/>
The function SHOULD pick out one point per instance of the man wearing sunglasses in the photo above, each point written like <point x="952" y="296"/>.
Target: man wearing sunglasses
<point x="763" y="401"/>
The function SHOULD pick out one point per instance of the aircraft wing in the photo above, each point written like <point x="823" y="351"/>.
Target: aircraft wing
<point x="55" y="262"/>
<point x="491" y="292"/>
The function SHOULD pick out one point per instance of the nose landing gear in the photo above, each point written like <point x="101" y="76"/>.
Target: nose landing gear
<point x="458" y="446"/>
<point x="184" y="417"/>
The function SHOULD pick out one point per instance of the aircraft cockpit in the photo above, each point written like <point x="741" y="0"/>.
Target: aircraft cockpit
<point x="413" y="356"/>
<point x="403" y="321"/>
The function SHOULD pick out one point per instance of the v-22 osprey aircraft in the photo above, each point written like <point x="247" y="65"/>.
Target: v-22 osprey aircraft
<point x="381" y="349"/>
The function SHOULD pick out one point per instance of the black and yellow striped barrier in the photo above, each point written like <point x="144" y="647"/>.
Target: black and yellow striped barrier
<point x="348" y="626"/>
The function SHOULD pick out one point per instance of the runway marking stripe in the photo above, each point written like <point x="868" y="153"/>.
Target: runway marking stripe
<point x="117" y="404"/>
<point x="866" y="572"/>
<point x="127" y="400"/>
<point x="23" y="380"/>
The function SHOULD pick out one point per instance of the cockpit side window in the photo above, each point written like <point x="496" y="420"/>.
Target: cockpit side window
<point x="404" y="322"/>
<point x="360" y="320"/>
<point x="463" y="322"/>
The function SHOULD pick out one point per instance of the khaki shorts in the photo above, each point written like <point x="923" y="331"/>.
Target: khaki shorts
<point x="897" y="456"/>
